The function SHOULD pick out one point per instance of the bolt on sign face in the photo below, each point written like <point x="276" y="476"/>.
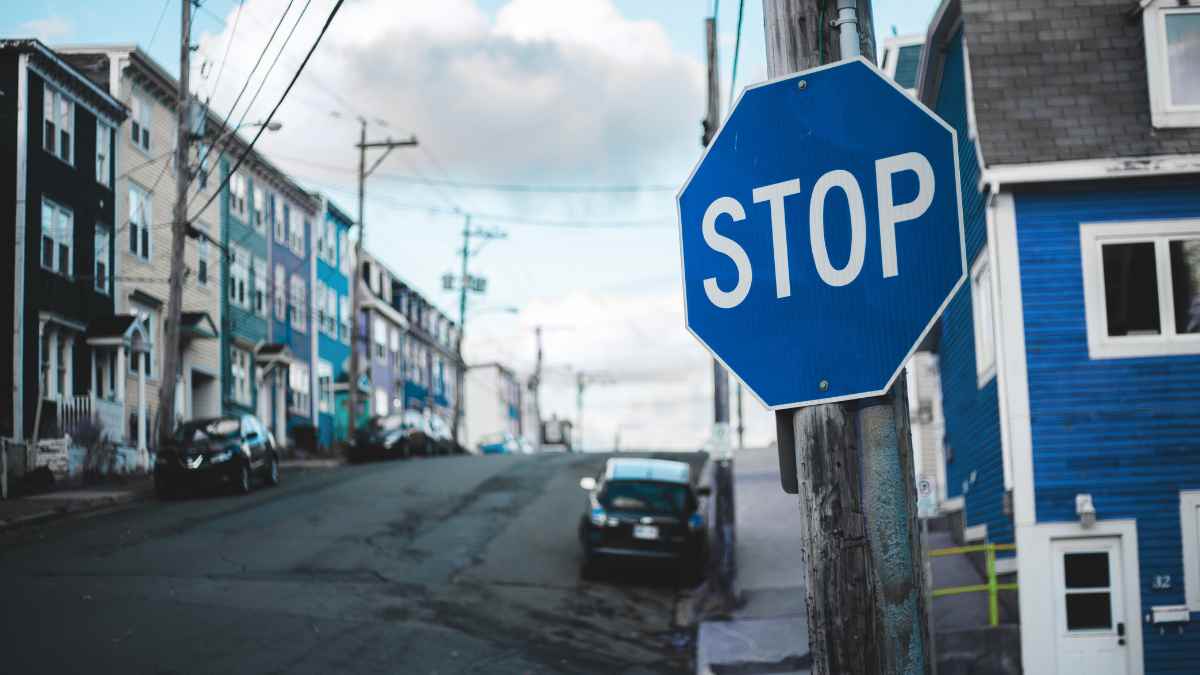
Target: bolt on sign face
<point x="821" y="234"/>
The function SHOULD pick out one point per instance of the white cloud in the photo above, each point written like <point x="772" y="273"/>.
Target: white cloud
<point x="49" y="29"/>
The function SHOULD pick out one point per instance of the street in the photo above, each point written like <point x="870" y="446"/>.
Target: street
<point x="446" y="565"/>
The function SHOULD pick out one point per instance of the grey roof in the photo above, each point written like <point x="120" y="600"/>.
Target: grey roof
<point x="1054" y="81"/>
<point x="660" y="470"/>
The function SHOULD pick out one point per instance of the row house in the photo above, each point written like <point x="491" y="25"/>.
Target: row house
<point x="1069" y="362"/>
<point x="267" y="269"/>
<point x="494" y="403"/>
<point x="411" y="346"/>
<point x="69" y="356"/>
<point x="145" y="198"/>
<point x="331" y="289"/>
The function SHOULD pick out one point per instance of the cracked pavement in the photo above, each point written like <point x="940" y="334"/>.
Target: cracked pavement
<point x="444" y="565"/>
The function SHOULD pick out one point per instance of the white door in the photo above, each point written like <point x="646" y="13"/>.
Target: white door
<point x="1089" y="607"/>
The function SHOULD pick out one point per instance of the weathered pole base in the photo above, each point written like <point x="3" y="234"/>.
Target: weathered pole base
<point x="861" y="546"/>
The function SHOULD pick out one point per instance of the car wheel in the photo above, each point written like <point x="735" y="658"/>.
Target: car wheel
<point x="273" y="471"/>
<point x="163" y="490"/>
<point x="242" y="484"/>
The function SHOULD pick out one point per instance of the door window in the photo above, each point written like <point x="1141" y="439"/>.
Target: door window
<point x="1088" y="590"/>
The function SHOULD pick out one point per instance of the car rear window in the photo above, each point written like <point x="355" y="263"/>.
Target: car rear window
<point x="644" y="496"/>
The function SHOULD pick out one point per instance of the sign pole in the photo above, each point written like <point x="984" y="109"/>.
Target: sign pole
<point x="853" y="461"/>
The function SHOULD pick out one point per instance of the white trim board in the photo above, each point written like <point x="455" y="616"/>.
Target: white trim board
<point x="1189" y="526"/>
<point x="1012" y="369"/>
<point x="1090" y="169"/>
<point x="976" y="532"/>
<point x="18" y="394"/>
<point x="952" y="505"/>
<point x="1035" y="570"/>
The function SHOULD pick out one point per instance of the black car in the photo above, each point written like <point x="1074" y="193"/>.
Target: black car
<point x="644" y="509"/>
<point x="218" y="451"/>
<point x="388" y="436"/>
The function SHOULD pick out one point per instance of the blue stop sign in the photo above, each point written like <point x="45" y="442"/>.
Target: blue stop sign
<point x="821" y="234"/>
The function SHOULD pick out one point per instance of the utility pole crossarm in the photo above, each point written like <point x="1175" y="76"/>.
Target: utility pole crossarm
<point x="389" y="145"/>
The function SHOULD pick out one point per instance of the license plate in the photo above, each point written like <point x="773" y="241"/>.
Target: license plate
<point x="645" y="532"/>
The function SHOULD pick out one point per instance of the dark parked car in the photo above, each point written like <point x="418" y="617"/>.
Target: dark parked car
<point x="396" y="435"/>
<point x="218" y="451"/>
<point x="644" y="509"/>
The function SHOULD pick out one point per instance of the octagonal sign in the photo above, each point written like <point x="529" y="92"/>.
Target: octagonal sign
<point x="821" y="234"/>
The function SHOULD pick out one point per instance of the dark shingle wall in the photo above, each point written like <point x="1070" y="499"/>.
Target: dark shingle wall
<point x="1063" y="80"/>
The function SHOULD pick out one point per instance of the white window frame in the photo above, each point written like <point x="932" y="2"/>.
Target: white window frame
<point x="149" y="316"/>
<point x="259" y="208"/>
<point x="1189" y="523"/>
<point x="104" y="153"/>
<point x="324" y="386"/>
<point x="1167" y="342"/>
<point x="102" y="246"/>
<point x="240" y="372"/>
<point x="60" y="232"/>
<point x="143" y="222"/>
<point x="239" y="277"/>
<point x="258" y="282"/>
<point x="298" y="299"/>
<point x="379" y="331"/>
<point x="279" y="294"/>
<point x="381" y="402"/>
<point x="344" y="318"/>
<point x="983" y="317"/>
<point x="141" y="120"/>
<point x="345" y="259"/>
<point x="1163" y="113"/>
<point x="53" y="98"/>
<point x="237" y="195"/>
<point x="283" y="223"/>
<point x="300" y="389"/>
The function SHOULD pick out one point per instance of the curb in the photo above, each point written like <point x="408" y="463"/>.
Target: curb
<point x="85" y="508"/>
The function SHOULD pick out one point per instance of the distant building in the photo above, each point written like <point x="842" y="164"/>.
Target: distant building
<point x="493" y="400"/>
<point x="901" y="58"/>
<point x="331" y="301"/>
<point x="66" y="358"/>
<point x="1070" y="360"/>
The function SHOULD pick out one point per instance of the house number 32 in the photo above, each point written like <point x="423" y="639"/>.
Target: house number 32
<point x="1162" y="582"/>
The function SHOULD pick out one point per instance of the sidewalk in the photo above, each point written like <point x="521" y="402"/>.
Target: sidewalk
<point x="26" y="510"/>
<point x="768" y="633"/>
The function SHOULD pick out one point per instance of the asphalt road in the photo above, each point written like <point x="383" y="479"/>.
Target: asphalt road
<point x="445" y="565"/>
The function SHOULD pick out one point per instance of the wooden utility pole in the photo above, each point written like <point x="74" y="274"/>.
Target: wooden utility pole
<point x="712" y="121"/>
<point x="853" y="461"/>
<point x="356" y="336"/>
<point x="465" y="283"/>
<point x="179" y="226"/>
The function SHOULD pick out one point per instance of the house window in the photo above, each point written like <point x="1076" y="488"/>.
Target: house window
<point x="298" y="294"/>
<point x="296" y="236"/>
<point x="1172" y="36"/>
<point x="58" y="236"/>
<point x="325" y="386"/>
<point x="983" y="313"/>
<point x="204" y="152"/>
<point x="101" y="254"/>
<point x="258" y="279"/>
<point x="279" y="293"/>
<point x="299" y="389"/>
<point x="58" y="130"/>
<point x="394" y="347"/>
<point x="104" y="137"/>
<point x="381" y="402"/>
<point x="237" y="195"/>
<point x="149" y="317"/>
<point x="239" y="370"/>
<point x="239" y="276"/>
<point x="139" y="222"/>
<point x="202" y="261"/>
<point x="260" y="209"/>
<point x="346" y="258"/>
<point x="139" y="122"/>
<point x="379" y="332"/>
<point x="1142" y="288"/>
<point x="344" y="319"/>
<point x="283" y="225"/>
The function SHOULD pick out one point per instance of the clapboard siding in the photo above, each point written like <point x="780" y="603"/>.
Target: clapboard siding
<point x="240" y="324"/>
<point x="1126" y="431"/>
<point x="972" y="412"/>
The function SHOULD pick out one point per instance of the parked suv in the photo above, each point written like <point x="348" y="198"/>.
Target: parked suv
<point x="644" y="509"/>
<point x="217" y="451"/>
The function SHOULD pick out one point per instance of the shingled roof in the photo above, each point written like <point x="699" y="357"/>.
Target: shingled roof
<point x="1054" y="81"/>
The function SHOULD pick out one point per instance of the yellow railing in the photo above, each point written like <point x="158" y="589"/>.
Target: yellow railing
<point x="991" y="587"/>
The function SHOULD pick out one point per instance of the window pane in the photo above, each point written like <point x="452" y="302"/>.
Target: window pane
<point x="1185" y="284"/>
<point x="1088" y="611"/>
<point x="1131" y="289"/>
<point x="47" y="252"/>
<point x="1183" y="57"/>
<point x="1086" y="570"/>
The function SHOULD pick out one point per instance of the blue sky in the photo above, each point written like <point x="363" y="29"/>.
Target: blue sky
<point x="585" y="92"/>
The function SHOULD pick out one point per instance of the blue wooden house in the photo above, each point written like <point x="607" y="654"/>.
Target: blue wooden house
<point x="334" y="265"/>
<point x="1070" y="362"/>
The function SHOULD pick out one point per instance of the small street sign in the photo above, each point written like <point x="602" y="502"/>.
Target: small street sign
<point x="926" y="499"/>
<point x="821" y="234"/>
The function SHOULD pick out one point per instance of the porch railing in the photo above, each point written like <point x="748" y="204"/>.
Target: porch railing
<point x="991" y="587"/>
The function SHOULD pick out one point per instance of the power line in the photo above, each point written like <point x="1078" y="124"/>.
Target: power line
<point x="737" y="48"/>
<point x="270" y="68"/>
<point x="228" y="43"/>
<point x="292" y="83"/>
<point x="158" y="25"/>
